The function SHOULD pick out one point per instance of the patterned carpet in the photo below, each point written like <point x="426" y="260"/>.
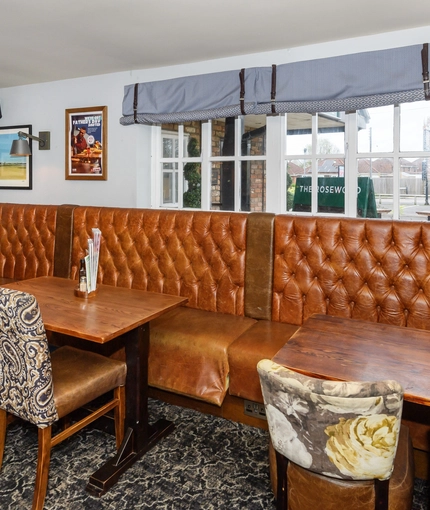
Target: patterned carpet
<point x="206" y="463"/>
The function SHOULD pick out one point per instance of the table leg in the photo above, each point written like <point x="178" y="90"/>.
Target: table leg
<point x="140" y="437"/>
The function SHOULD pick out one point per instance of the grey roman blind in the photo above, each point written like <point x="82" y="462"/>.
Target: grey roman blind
<point x="344" y="83"/>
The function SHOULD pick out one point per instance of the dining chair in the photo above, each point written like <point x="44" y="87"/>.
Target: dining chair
<point x="42" y="387"/>
<point x="336" y="444"/>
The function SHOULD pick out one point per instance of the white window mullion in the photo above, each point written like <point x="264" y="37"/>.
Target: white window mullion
<point x="206" y="167"/>
<point x="314" y="200"/>
<point x="351" y="165"/>
<point x="156" y="167"/>
<point x="396" y="166"/>
<point x="238" y="127"/>
<point x="180" y="173"/>
<point x="276" y="164"/>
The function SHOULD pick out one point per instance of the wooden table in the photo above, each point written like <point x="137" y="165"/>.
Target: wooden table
<point x="424" y="213"/>
<point x="381" y="211"/>
<point x="341" y="349"/>
<point x="113" y="312"/>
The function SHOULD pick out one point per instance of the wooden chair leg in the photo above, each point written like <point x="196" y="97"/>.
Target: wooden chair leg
<point x="119" y="414"/>
<point x="282" y="489"/>
<point x="381" y="494"/>
<point x="43" y="460"/>
<point x="3" y="426"/>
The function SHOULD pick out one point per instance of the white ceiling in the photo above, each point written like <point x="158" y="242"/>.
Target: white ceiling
<point x="48" y="40"/>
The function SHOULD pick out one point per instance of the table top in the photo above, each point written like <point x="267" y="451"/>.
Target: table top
<point x="342" y="349"/>
<point x="112" y="312"/>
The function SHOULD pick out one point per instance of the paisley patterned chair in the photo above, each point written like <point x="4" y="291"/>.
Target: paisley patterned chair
<point x="335" y="443"/>
<point x="42" y="387"/>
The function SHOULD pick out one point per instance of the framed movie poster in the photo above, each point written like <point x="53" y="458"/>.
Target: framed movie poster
<point x="86" y="143"/>
<point x="15" y="171"/>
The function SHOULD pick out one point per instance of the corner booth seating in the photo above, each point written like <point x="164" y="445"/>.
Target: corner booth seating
<point x="251" y="280"/>
<point x="34" y="241"/>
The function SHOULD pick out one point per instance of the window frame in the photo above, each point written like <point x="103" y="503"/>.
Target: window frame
<point x="275" y="159"/>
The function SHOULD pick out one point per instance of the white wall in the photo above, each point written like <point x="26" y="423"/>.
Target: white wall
<point x="129" y="159"/>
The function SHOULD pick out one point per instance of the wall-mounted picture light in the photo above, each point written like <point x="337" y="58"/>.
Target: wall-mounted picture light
<point x="21" y="146"/>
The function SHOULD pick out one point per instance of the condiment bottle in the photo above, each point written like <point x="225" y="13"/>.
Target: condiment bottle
<point x="82" y="277"/>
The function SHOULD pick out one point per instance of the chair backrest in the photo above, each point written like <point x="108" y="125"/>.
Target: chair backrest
<point x="26" y="388"/>
<point x="346" y="430"/>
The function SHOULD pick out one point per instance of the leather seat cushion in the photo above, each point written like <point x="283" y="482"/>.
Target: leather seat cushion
<point x="307" y="490"/>
<point x="262" y="340"/>
<point x="81" y="376"/>
<point x="188" y="352"/>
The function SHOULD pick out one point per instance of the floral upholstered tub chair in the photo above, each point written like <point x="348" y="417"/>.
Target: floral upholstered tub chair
<point x="341" y="439"/>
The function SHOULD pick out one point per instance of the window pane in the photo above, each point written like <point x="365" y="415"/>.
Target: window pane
<point x="192" y="185"/>
<point x="226" y="185"/>
<point x="170" y="185"/>
<point x="216" y="186"/>
<point x="223" y="137"/>
<point x="331" y="187"/>
<point x="380" y="172"/>
<point x="331" y="133"/>
<point x="299" y="133"/>
<point x="299" y="185"/>
<point x="170" y="146"/>
<point x="253" y="186"/>
<point x="167" y="188"/>
<point x="414" y="191"/>
<point x="222" y="192"/>
<point x="375" y="129"/>
<point x="415" y="126"/>
<point x="291" y="184"/>
<point x="192" y="139"/>
<point x="254" y="137"/>
<point x="413" y="200"/>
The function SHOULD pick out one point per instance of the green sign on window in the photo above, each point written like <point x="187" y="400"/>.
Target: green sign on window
<point x="331" y="196"/>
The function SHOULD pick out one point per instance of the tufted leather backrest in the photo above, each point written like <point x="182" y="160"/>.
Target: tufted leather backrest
<point x="199" y="255"/>
<point x="363" y="269"/>
<point x="27" y="240"/>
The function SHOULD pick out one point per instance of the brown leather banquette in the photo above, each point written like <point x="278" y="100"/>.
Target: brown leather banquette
<point x="251" y="280"/>
<point x="34" y="241"/>
<point x="373" y="270"/>
<point x="199" y="255"/>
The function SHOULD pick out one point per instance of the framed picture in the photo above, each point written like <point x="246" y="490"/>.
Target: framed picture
<point x="15" y="171"/>
<point x="86" y="143"/>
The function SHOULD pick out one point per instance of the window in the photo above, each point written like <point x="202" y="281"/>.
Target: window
<point x="315" y="147"/>
<point x="180" y="164"/>
<point x="393" y="150"/>
<point x="233" y="155"/>
<point x="368" y="163"/>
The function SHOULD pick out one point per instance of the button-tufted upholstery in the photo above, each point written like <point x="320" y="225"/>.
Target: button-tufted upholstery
<point x="251" y="279"/>
<point x="199" y="255"/>
<point x="27" y="240"/>
<point x="363" y="269"/>
<point x="373" y="270"/>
